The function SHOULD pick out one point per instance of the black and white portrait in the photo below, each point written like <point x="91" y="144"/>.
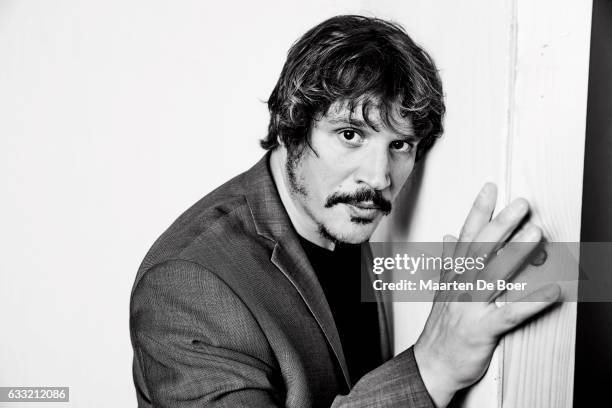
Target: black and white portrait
<point x="194" y="195"/>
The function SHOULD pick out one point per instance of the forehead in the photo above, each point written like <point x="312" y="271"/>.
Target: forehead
<point x="371" y="114"/>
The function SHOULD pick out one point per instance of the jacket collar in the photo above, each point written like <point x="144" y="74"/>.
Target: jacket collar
<point x="272" y="222"/>
<point x="269" y="215"/>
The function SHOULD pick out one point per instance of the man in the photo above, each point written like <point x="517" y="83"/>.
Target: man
<point x="242" y="301"/>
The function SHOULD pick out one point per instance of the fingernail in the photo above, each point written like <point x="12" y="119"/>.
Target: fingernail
<point x="520" y="205"/>
<point x="487" y="188"/>
<point x="552" y="293"/>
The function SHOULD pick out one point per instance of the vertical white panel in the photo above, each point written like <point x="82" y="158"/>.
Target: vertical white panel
<point x="546" y="166"/>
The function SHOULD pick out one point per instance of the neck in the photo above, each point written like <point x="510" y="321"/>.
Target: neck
<point x="302" y="222"/>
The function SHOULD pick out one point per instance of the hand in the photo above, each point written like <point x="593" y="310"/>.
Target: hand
<point x="457" y="343"/>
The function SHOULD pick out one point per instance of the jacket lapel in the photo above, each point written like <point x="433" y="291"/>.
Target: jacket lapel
<point x="383" y="303"/>
<point x="272" y="222"/>
<point x="290" y="258"/>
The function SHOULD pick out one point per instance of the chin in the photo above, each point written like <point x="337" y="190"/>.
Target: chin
<point x="350" y="232"/>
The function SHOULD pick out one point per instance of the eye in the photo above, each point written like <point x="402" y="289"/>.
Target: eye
<point x="400" y="146"/>
<point x="348" y="134"/>
<point x="351" y="137"/>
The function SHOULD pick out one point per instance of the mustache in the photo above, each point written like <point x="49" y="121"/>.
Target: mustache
<point x="358" y="197"/>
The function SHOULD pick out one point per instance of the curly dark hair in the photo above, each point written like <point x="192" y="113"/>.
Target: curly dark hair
<point x="361" y="61"/>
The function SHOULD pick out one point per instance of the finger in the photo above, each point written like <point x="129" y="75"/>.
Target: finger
<point x="493" y="236"/>
<point x="512" y="257"/>
<point x="511" y="315"/>
<point x="478" y="217"/>
<point x="448" y="245"/>
<point x="448" y="249"/>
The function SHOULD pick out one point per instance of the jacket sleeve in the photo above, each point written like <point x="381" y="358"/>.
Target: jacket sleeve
<point x="196" y="344"/>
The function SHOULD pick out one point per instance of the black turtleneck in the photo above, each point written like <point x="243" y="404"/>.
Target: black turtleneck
<point x="339" y="272"/>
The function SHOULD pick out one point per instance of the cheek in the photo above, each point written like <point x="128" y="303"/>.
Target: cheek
<point x="331" y="171"/>
<point x="319" y="176"/>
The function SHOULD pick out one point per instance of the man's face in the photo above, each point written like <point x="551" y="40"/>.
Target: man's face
<point x="357" y="171"/>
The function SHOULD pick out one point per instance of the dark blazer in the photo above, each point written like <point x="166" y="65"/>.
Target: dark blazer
<point x="226" y="311"/>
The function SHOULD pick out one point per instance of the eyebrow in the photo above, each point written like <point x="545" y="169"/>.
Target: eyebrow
<point x="359" y="123"/>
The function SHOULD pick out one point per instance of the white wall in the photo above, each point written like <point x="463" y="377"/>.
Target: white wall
<point x="115" y="116"/>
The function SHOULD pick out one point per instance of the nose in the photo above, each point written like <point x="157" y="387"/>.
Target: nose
<point x="374" y="169"/>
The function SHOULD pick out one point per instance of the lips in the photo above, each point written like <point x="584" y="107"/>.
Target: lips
<point x="363" y="210"/>
<point x="366" y="206"/>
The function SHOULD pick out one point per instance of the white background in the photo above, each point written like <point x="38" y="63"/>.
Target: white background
<point x="115" y="116"/>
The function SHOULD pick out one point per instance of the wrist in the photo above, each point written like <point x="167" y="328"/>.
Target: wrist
<point x="435" y="376"/>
